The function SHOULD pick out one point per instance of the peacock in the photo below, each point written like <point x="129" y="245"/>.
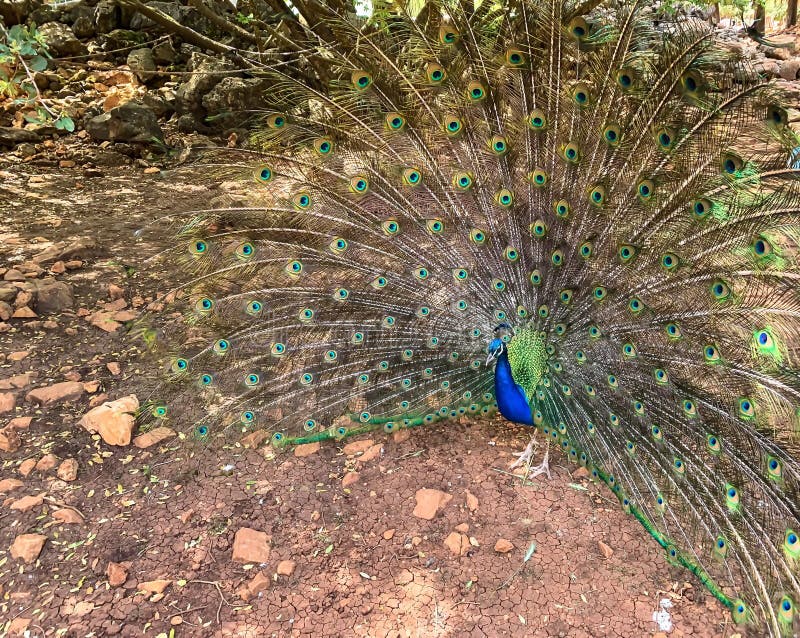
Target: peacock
<point x="575" y="213"/>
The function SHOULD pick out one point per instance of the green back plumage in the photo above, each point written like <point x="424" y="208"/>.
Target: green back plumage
<point x="566" y="169"/>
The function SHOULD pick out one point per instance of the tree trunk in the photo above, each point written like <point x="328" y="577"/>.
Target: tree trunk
<point x="760" y="17"/>
<point x="791" y="13"/>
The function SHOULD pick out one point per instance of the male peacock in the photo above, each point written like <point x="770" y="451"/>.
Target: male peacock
<point x="602" y="205"/>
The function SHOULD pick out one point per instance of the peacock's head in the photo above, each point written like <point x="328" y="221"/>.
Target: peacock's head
<point x="499" y="344"/>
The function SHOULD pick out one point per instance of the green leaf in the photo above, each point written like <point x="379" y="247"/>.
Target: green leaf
<point x="65" y="123"/>
<point x="37" y="63"/>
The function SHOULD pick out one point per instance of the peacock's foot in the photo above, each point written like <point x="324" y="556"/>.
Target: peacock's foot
<point x="526" y="458"/>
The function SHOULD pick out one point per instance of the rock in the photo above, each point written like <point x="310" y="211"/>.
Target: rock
<point x="19" y="627"/>
<point x="83" y="27"/>
<point x="68" y="470"/>
<point x="9" y="439"/>
<point x="27" y="547"/>
<point x="356" y="447"/>
<point x="154" y="586"/>
<point x="458" y="544"/>
<point x="789" y="69"/>
<point x="351" y="478"/>
<point x="56" y="393"/>
<point x="142" y="64"/>
<point x="371" y="453"/>
<point x="68" y="516"/>
<point x="251" y="546"/>
<point x="207" y="72"/>
<point x="153" y="437"/>
<point x="164" y="53"/>
<point x="18" y="356"/>
<point x="254" y="439"/>
<point x="605" y="550"/>
<point x="113" y="420"/>
<point x="26" y="467"/>
<point x="9" y="485"/>
<point x="61" y="41"/>
<point x="472" y="501"/>
<point x="117" y="574"/>
<point x="12" y="274"/>
<point x="232" y="94"/>
<point x="286" y="568"/>
<point x="114" y="368"/>
<point x="20" y="423"/>
<point x="46" y="463"/>
<point x="107" y="16"/>
<point x="462" y="527"/>
<point x="306" y="449"/>
<point x="130" y="122"/>
<point x="27" y="503"/>
<point x="24" y="313"/>
<point x="10" y="136"/>
<point x="53" y="296"/>
<point x="17" y="11"/>
<point x="82" y="248"/>
<point x="7" y="402"/>
<point x="429" y="502"/>
<point x="259" y="583"/>
<point x="18" y="381"/>
<point x="115" y="292"/>
<point x="388" y="534"/>
<point x="401" y="435"/>
<point x="503" y="546"/>
<point x="6" y="311"/>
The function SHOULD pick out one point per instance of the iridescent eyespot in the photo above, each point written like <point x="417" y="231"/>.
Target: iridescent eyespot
<point x="665" y="138"/>
<point x="306" y="379"/>
<point x="357" y="338"/>
<point x="463" y="181"/>
<point x="689" y="408"/>
<point x="421" y="273"/>
<point x="254" y="308"/>
<point x="711" y="354"/>
<point x="673" y="330"/>
<point x="537" y="177"/>
<point x="294" y="267"/>
<point x="390" y="227"/>
<point x="645" y="189"/>
<point x="498" y="284"/>
<point x="331" y="356"/>
<point x="276" y="121"/>
<point x="627" y="252"/>
<point x="578" y="28"/>
<point x="635" y="305"/>
<point x="515" y="57"/>
<point x="720" y="290"/>
<point x="762" y="247"/>
<point x="323" y="146"/>
<point x="581" y="95"/>
<point x="669" y="261"/>
<point x="571" y="152"/>
<point x="447" y="35"/>
<point x="206" y="380"/>
<point x="245" y="250"/>
<point x="612" y="381"/>
<point x="629" y="350"/>
<point x="453" y="125"/>
<point x="557" y="258"/>
<point x="701" y="208"/>
<point x="159" y="411"/>
<point x="361" y="80"/>
<point x="247" y="417"/>
<point x="535" y="278"/>
<point x="585" y="249"/>
<point x="777" y="116"/>
<point x="341" y="294"/>
<point x="476" y="91"/>
<point x="504" y="197"/>
<point x="221" y="346"/>
<point x="498" y="145"/>
<point x="204" y="306"/>
<point x="612" y="134"/>
<point x="538" y="229"/>
<point x="599" y="293"/>
<point x="661" y="376"/>
<point x="388" y="321"/>
<point x="201" y="432"/>
<point x="435" y="73"/>
<point x="746" y="409"/>
<point x="562" y="208"/>
<point x="692" y="82"/>
<point x="180" y="365"/>
<point x="511" y="253"/>
<point x="264" y="174"/>
<point x="597" y="195"/>
<point x="423" y="311"/>
<point x="252" y="380"/>
<point x="731" y="163"/>
<point x="395" y="121"/>
<point x="434" y="226"/>
<point x="278" y="349"/>
<point x="537" y="120"/>
<point x="359" y="184"/>
<point x="363" y="379"/>
<point x="301" y="201"/>
<point x="412" y="177"/>
<point x="198" y="247"/>
<point x="338" y="245"/>
<point x="379" y="282"/>
<point x="460" y="274"/>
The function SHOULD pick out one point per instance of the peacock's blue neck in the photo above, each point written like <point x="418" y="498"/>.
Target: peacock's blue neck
<point x="511" y="399"/>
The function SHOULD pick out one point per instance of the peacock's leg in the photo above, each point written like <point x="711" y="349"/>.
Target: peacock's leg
<point x="526" y="458"/>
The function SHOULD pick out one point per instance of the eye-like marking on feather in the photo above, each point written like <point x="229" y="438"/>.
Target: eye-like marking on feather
<point x="341" y="294"/>
<point x="595" y="332"/>
<point x="565" y="296"/>
<point x="498" y="145"/>
<point x="504" y="198"/>
<point x="359" y="184"/>
<point x="629" y="350"/>
<point x="661" y="376"/>
<point x="463" y="180"/>
<point x="578" y="29"/>
<point x="635" y="306"/>
<point x="692" y="84"/>
<point x="599" y="293"/>
<point x="201" y="432"/>
<point x="580" y="356"/>
<point x="460" y="274"/>
<point x="453" y="125"/>
<point x="537" y="177"/>
<point x="395" y="121"/>
<point x="741" y="613"/>
<point x="198" y="247"/>
<point x="204" y="306"/>
<point x="206" y="380"/>
<point x="597" y="195"/>
<point x="701" y="208"/>
<point x="498" y="284"/>
<point x="247" y="418"/>
<point x="514" y="57"/>
<point x="338" y="245"/>
<point x="511" y="253"/>
<point x="361" y="80"/>
<point x="586" y="249"/>
<point x="678" y="466"/>
<point x="476" y="92"/>
<point x="657" y="433"/>
<point x="732" y="498"/>
<point x="254" y="308"/>
<point x="306" y="315"/>
<point x="535" y="278"/>
<point x="767" y="344"/>
<point x="543" y="311"/>
<point x="294" y="267"/>
<point x="302" y="201"/>
<point x="645" y="190"/>
<point x="180" y="365"/>
<point x="627" y="253"/>
<point x="689" y="408"/>
<point x="423" y="311"/>
<point x="711" y="354"/>
<point x="626" y="78"/>
<point x="221" y="346"/>
<point x="357" y="338"/>
<point x="561" y="328"/>
<point x="448" y="34"/>
<point x="477" y="236"/>
<point x="762" y="248"/>
<point x="390" y="227"/>
<point x="412" y="176"/>
<point x="278" y="349"/>
<point x="435" y="73"/>
<point x="670" y="261"/>
<point x="791" y="545"/>
<point x="774" y="468"/>
<point x="786" y="613"/>
<point x="746" y="408"/>
<point x="323" y="146"/>
<point x="421" y="273"/>
<point x="252" y="380"/>
<point x="264" y="174"/>
<point x="379" y="282"/>
<point x="562" y="208"/>
<point x="538" y="229"/>
<point x="665" y="138"/>
<point x="581" y="94"/>
<point x="731" y="163"/>
<point x="537" y="120"/>
<point x="612" y="134"/>
<point x="557" y="257"/>
<point x="720" y="290"/>
<point x="245" y="251"/>
<point x="777" y="116"/>
<point x="276" y="121"/>
<point x="571" y="153"/>
<point x="673" y="330"/>
<point x="434" y="226"/>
